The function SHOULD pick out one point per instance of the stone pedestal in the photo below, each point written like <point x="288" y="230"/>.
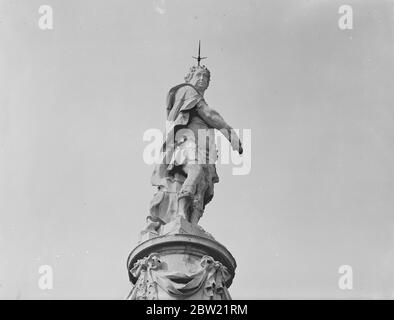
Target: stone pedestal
<point x="180" y="266"/>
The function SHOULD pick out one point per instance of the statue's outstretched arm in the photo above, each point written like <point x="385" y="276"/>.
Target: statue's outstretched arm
<point x="215" y="120"/>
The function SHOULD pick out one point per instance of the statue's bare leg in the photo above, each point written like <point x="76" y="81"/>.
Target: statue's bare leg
<point x="194" y="174"/>
<point x="198" y="202"/>
<point x="195" y="216"/>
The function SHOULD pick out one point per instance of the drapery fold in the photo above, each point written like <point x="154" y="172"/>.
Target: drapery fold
<point x="209" y="280"/>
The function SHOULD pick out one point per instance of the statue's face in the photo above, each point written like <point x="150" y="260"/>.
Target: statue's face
<point x="200" y="80"/>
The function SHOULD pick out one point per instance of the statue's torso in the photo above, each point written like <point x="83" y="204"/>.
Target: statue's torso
<point x="199" y="136"/>
<point x="198" y="141"/>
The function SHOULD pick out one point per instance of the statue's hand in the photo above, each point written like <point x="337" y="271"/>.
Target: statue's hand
<point x="237" y="145"/>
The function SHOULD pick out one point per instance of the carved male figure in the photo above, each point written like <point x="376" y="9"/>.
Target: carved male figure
<point x="190" y="150"/>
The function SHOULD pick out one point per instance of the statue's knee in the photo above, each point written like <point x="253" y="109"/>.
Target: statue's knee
<point x="187" y="191"/>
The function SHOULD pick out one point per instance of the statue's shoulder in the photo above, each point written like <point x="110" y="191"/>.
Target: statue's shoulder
<point x="181" y="93"/>
<point x="183" y="89"/>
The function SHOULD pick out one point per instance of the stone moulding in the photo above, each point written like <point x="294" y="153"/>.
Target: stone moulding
<point x="183" y="251"/>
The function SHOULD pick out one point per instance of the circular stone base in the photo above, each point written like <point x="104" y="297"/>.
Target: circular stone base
<point x="182" y="253"/>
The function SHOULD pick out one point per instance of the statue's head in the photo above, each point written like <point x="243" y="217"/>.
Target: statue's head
<point x="199" y="77"/>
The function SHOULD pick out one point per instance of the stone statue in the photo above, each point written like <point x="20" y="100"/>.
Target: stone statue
<point x="175" y="257"/>
<point x="185" y="178"/>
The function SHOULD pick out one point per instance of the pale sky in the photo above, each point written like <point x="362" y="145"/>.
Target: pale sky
<point x="75" y="102"/>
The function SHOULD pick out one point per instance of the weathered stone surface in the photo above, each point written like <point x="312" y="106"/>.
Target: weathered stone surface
<point x="178" y="225"/>
<point x="180" y="267"/>
<point x="181" y="226"/>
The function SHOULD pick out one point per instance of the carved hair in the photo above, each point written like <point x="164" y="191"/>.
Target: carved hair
<point x="194" y="69"/>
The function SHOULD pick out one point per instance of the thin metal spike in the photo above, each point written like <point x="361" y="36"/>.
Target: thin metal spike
<point x="199" y="58"/>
